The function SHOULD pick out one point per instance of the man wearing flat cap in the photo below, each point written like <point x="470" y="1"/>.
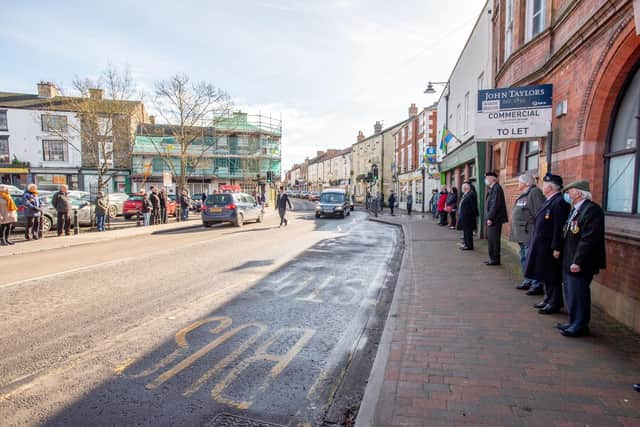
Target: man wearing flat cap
<point x="496" y="215"/>
<point x="583" y="256"/>
<point x="544" y="261"/>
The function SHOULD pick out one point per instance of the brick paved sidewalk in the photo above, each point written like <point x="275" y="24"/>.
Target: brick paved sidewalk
<point x="463" y="347"/>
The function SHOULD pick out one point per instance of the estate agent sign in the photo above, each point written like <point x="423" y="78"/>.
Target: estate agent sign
<point x="514" y="113"/>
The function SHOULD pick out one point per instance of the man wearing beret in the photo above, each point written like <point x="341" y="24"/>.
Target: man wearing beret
<point x="583" y="256"/>
<point x="544" y="262"/>
<point x="496" y="215"/>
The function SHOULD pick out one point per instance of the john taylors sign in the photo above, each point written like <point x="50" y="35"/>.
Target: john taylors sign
<point x="514" y="113"/>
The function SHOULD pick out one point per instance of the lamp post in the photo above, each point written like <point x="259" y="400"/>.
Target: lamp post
<point x="430" y="91"/>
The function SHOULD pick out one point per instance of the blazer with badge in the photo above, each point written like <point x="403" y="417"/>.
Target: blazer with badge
<point x="584" y="240"/>
<point x="545" y="238"/>
<point x="496" y="207"/>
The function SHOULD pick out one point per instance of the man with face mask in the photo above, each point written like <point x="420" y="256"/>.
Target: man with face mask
<point x="544" y="262"/>
<point x="583" y="256"/>
<point x="496" y="214"/>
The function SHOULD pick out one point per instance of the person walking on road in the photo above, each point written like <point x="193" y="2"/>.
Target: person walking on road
<point x="62" y="204"/>
<point x="155" y="204"/>
<point x="544" y="260"/>
<point x="523" y="216"/>
<point x="442" y="202"/>
<point x="583" y="256"/>
<point x="409" y="203"/>
<point x="185" y="205"/>
<point x="162" y="197"/>
<point x="32" y="212"/>
<point x="102" y="205"/>
<point x="496" y="215"/>
<point x="281" y="204"/>
<point x="468" y="218"/>
<point x="8" y="215"/>
<point x="392" y="202"/>
<point x="451" y="206"/>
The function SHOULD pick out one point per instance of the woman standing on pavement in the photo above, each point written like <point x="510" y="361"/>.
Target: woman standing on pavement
<point x="8" y="215"/>
<point x="442" y="203"/>
<point x="32" y="212"/>
<point x="452" y="207"/>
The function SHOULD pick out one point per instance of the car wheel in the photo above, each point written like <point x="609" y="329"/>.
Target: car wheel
<point x="46" y="224"/>
<point x="112" y="211"/>
<point x="239" y="220"/>
<point x="127" y="217"/>
<point x="260" y="218"/>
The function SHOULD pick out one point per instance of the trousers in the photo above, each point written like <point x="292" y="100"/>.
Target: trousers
<point x="577" y="289"/>
<point x="494" y="233"/>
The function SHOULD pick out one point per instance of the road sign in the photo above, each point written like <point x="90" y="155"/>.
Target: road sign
<point x="517" y="113"/>
<point x="167" y="179"/>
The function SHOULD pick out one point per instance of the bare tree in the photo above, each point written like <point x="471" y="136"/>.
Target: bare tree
<point x="107" y="116"/>
<point x="191" y="111"/>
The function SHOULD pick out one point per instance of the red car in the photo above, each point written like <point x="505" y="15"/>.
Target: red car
<point x="133" y="204"/>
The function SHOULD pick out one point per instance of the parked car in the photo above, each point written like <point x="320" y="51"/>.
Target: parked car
<point x="133" y="204"/>
<point x="86" y="211"/>
<point x="333" y="203"/>
<point x="235" y="208"/>
<point x="116" y="203"/>
<point x="314" y="197"/>
<point x="304" y="195"/>
<point x="15" y="191"/>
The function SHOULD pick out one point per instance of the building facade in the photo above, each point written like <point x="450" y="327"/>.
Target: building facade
<point x="241" y="150"/>
<point x="590" y="52"/>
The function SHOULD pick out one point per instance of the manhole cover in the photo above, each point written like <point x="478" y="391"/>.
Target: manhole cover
<point x="228" y="420"/>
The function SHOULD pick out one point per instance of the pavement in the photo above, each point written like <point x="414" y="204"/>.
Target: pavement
<point x="462" y="347"/>
<point x="260" y="325"/>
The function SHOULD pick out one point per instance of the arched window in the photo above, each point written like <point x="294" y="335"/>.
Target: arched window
<point x="622" y="156"/>
<point x="529" y="156"/>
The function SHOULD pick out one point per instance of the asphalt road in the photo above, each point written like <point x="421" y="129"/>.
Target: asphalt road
<point x="199" y="327"/>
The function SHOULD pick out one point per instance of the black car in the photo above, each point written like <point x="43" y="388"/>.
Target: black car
<point x="333" y="203"/>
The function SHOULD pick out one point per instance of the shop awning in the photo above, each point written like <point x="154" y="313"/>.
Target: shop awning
<point x="14" y="170"/>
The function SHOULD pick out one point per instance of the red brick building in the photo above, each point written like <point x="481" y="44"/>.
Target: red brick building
<point x="590" y="51"/>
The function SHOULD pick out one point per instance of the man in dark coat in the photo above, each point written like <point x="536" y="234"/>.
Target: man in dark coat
<point x="62" y="203"/>
<point x="281" y="204"/>
<point x="392" y="201"/>
<point x="583" y="256"/>
<point x="523" y="216"/>
<point x="155" y="204"/>
<point x="544" y="262"/>
<point x="162" y="196"/>
<point x="468" y="216"/>
<point x="496" y="215"/>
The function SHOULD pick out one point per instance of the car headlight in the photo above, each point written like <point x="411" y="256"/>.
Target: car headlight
<point x="338" y="208"/>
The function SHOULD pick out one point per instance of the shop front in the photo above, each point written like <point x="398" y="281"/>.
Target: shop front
<point x="14" y="175"/>
<point x="52" y="179"/>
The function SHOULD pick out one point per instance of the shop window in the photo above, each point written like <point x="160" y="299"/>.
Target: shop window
<point x="55" y="150"/>
<point x="3" y="120"/>
<point x="622" y="178"/>
<point x="529" y="157"/>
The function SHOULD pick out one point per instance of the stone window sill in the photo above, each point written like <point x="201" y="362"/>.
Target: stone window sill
<point x="623" y="229"/>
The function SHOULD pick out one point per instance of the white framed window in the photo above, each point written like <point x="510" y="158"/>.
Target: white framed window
<point x="3" y="120"/>
<point x="410" y="157"/>
<point x="55" y="150"/>
<point x="508" y="29"/>
<point x="409" y="131"/>
<point x="458" y="117"/>
<point x="466" y="112"/>
<point x="105" y="126"/>
<point x="402" y="167"/>
<point x="536" y="18"/>
<point x="5" y="156"/>
<point x="54" y="123"/>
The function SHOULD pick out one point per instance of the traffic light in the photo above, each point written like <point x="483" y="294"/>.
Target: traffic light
<point x="374" y="170"/>
<point x="369" y="177"/>
<point x="269" y="176"/>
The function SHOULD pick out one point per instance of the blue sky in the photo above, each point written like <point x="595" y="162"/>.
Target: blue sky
<point x="329" y="67"/>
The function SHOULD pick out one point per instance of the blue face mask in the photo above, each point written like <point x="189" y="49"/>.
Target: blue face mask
<point x="566" y="198"/>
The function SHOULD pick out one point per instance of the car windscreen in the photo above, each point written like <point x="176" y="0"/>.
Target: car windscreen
<point x="219" y="199"/>
<point x="332" y="198"/>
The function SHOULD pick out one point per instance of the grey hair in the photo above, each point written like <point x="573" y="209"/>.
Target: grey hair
<point x="30" y="186"/>
<point x="466" y="184"/>
<point x="585" y="194"/>
<point x="527" y="179"/>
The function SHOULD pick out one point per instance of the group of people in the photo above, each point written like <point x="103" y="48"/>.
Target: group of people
<point x="559" y="231"/>
<point x="154" y="206"/>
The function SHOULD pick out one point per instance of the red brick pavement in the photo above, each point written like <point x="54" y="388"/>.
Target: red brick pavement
<point x="464" y="348"/>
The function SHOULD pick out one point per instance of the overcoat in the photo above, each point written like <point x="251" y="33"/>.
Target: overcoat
<point x="584" y="240"/>
<point x="468" y="211"/>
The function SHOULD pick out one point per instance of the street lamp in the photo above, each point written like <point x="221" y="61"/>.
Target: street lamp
<point x="430" y="90"/>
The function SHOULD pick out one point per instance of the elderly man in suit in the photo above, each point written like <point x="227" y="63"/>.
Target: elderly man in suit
<point x="544" y="261"/>
<point x="583" y="256"/>
<point x="496" y="215"/>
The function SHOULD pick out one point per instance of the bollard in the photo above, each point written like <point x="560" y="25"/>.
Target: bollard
<point x="108" y="220"/>
<point x="138" y="218"/>
<point x="76" y="225"/>
<point x="177" y="212"/>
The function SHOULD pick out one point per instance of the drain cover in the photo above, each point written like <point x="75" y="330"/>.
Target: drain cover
<point x="228" y="420"/>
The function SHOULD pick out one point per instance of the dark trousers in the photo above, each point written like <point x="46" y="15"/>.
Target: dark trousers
<point x="453" y="218"/>
<point x="33" y="227"/>
<point x="282" y="213"/>
<point x="155" y="216"/>
<point x="553" y="292"/>
<point x="467" y="234"/>
<point x="443" y="217"/>
<point x="390" y="207"/>
<point x="409" y="208"/>
<point x="5" y="233"/>
<point x="163" y="215"/>
<point x="494" y="232"/>
<point x="577" y="289"/>
<point x="64" y="222"/>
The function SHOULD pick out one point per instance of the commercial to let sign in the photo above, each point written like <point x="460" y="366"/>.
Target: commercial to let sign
<point x="514" y="113"/>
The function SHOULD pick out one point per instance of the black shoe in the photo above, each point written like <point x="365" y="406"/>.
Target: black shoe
<point x="547" y="309"/>
<point x="523" y="286"/>
<point x="492" y="263"/>
<point x="562" y="326"/>
<point x="575" y="334"/>
<point x="636" y="387"/>
<point x="540" y="305"/>
<point x="535" y="291"/>
<point x="9" y="242"/>
<point x="465" y="248"/>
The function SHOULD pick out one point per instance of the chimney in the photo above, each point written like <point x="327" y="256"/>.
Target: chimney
<point x="360" y="136"/>
<point x="377" y="128"/>
<point x="95" y="93"/>
<point x="152" y="120"/>
<point x="413" y="110"/>
<point x="47" y="90"/>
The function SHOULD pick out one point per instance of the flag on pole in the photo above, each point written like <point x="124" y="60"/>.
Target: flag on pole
<point x="446" y="139"/>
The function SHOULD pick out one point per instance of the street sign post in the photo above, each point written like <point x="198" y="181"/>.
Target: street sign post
<point x="517" y="113"/>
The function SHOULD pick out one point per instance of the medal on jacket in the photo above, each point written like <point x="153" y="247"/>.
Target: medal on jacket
<point x="575" y="228"/>
<point x="547" y="214"/>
